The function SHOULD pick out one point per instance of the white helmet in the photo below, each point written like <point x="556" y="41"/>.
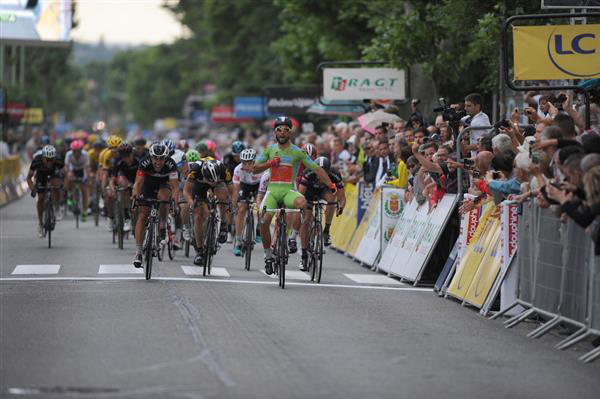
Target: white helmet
<point x="49" y="151"/>
<point x="210" y="171"/>
<point x="249" y="154"/>
<point x="159" y="150"/>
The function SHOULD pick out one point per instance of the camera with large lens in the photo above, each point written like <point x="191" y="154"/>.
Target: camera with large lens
<point x="449" y="114"/>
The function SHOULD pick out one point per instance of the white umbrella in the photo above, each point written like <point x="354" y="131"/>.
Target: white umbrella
<point x="371" y="120"/>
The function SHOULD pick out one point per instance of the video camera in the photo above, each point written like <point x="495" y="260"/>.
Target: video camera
<point x="449" y="114"/>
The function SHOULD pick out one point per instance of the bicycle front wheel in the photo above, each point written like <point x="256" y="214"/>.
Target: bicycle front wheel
<point x="48" y="221"/>
<point x="318" y="253"/>
<point x="249" y="239"/>
<point x="281" y="255"/>
<point x="148" y="243"/>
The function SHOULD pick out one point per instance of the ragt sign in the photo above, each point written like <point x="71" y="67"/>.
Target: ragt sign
<point x="556" y="52"/>
<point x="363" y="83"/>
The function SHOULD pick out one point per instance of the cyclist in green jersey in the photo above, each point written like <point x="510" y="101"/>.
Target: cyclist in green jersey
<point x="283" y="158"/>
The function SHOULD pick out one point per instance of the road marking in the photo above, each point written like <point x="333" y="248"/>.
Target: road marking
<point x="212" y="280"/>
<point x="290" y="275"/>
<point x="197" y="271"/>
<point x="119" y="269"/>
<point x="36" y="269"/>
<point x="372" y="278"/>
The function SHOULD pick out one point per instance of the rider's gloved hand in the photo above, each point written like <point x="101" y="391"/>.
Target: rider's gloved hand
<point x="274" y="162"/>
<point x="332" y="187"/>
<point x="33" y="192"/>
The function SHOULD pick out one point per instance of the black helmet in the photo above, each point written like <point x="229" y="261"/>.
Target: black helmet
<point x="139" y="141"/>
<point x="323" y="163"/>
<point x="125" y="149"/>
<point x="282" y="121"/>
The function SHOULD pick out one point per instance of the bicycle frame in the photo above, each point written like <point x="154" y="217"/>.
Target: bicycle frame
<point x="280" y="248"/>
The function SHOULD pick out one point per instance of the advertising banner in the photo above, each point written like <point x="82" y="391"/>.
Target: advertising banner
<point x="249" y="107"/>
<point x="33" y="116"/>
<point x="363" y="83"/>
<point x="370" y="244"/>
<point x="401" y="231"/>
<point x="484" y="278"/>
<point x="556" y="52"/>
<point x="392" y="206"/>
<point x="225" y="114"/>
<point x="342" y="228"/>
<point x="424" y="232"/>
<point x="365" y="195"/>
<point x="289" y="100"/>
<point x="509" y="239"/>
<point x="487" y="233"/>
<point x="364" y="224"/>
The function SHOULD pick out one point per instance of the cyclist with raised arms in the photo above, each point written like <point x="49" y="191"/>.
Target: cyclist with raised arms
<point x="124" y="175"/>
<point x="46" y="167"/>
<point x="284" y="158"/>
<point x="77" y="166"/>
<point x="204" y="175"/>
<point x="156" y="178"/>
<point x="314" y="190"/>
<point x="245" y="184"/>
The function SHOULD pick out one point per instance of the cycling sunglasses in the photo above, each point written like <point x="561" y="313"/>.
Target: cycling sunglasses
<point x="282" y="129"/>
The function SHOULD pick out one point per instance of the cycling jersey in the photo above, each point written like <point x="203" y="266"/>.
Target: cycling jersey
<point x="282" y="187"/>
<point x="75" y="163"/>
<point x="312" y="181"/>
<point x="243" y="176"/>
<point x="284" y="175"/>
<point x="129" y="171"/>
<point x="230" y="162"/>
<point x="155" y="180"/>
<point x="44" y="172"/>
<point x="264" y="182"/>
<point x="195" y="174"/>
<point x="179" y="158"/>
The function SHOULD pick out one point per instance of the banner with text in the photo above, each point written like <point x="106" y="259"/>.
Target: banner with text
<point x="364" y="83"/>
<point x="556" y="52"/>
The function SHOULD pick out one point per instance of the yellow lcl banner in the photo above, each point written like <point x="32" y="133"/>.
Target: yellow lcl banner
<point x="556" y="52"/>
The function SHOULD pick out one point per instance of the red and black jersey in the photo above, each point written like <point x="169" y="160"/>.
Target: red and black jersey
<point x="168" y="171"/>
<point x="121" y="168"/>
<point x="42" y="169"/>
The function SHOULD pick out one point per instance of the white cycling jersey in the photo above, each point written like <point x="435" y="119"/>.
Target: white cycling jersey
<point x="178" y="157"/>
<point x="77" y="163"/>
<point x="243" y="176"/>
<point x="264" y="182"/>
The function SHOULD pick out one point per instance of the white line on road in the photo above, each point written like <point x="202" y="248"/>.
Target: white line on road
<point x="119" y="269"/>
<point x="197" y="271"/>
<point x="207" y="280"/>
<point x="36" y="269"/>
<point x="372" y="278"/>
<point x="290" y="275"/>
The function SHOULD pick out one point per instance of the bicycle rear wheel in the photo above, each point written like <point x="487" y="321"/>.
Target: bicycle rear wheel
<point x="148" y="243"/>
<point x="119" y="223"/>
<point x="48" y="221"/>
<point x="208" y="247"/>
<point x="249" y="239"/>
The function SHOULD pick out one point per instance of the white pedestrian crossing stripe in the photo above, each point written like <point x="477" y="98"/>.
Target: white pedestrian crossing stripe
<point x="291" y="275"/>
<point x="198" y="270"/>
<point x="372" y="278"/>
<point x="36" y="269"/>
<point x="119" y="269"/>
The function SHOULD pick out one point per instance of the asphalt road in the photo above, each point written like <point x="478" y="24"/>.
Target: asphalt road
<point x="89" y="329"/>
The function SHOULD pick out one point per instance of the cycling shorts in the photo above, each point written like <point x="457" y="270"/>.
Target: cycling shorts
<point x="280" y="195"/>
<point x="247" y="191"/>
<point x="151" y="187"/>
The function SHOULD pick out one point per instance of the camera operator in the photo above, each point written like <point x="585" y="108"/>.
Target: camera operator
<point x="475" y="117"/>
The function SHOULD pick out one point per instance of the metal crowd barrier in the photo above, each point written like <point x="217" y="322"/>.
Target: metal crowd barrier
<point x="559" y="277"/>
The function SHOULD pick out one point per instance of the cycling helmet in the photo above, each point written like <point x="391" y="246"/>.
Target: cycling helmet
<point x="210" y="171"/>
<point x="114" y="141"/>
<point x="211" y="145"/>
<point x="323" y="163"/>
<point x="76" y="145"/>
<point x="170" y="145"/>
<point x="282" y="121"/>
<point x="139" y="141"/>
<point x="125" y="149"/>
<point x="202" y="147"/>
<point x="44" y="140"/>
<point x="192" y="156"/>
<point x="249" y="154"/>
<point x="237" y="147"/>
<point x="49" y="151"/>
<point x="159" y="150"/>
<point x="310" y="150"/>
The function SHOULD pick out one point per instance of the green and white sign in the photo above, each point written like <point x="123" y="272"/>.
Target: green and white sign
<point x="364" y="83"/>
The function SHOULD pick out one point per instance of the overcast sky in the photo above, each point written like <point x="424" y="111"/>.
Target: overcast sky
<point x="125" y="22"/>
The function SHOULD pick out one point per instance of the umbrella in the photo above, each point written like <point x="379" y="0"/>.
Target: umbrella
<point x="336" y="107"/>
<point x="371" y="120"/>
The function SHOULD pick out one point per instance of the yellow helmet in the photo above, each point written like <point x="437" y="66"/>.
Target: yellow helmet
<point x="114" y="141"/>
<point x="92" y="138"/>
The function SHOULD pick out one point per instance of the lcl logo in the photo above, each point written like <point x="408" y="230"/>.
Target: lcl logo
<point x="575" y="44"/>
<point x="576" y="53"/>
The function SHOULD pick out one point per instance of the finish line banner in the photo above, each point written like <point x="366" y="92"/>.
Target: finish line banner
<point x="556" y="52"/>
